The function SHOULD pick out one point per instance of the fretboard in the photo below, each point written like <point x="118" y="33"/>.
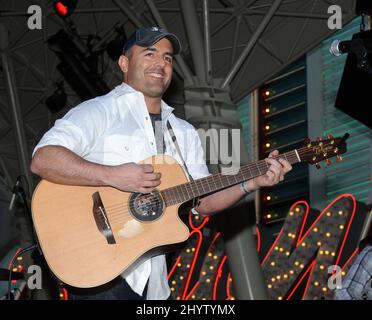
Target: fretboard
<point x="190" y="190"/>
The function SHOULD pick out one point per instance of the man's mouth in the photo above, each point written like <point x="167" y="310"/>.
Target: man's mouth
<point x="158" y="75"/>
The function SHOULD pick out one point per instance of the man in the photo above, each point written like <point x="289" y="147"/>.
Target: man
<point x="101" y="141"/>
<point x="357" y="284"/>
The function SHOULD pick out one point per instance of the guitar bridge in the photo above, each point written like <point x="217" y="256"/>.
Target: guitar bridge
<point x="101" y="219"/>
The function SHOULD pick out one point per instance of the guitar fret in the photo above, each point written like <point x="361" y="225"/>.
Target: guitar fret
<point x="206" y="185"/>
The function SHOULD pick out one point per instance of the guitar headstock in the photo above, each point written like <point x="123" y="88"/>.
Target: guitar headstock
<point x="323" y="149"/>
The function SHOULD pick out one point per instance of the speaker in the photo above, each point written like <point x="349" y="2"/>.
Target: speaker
<point x="363" y="7"/>
<point x="354" y="94"/>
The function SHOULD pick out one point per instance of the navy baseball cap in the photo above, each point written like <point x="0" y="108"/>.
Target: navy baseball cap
<point x="146" y="37"/>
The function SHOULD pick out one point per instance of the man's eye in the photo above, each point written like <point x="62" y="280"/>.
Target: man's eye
<point x="169" y="59"/>
<point x="150" y="54"/>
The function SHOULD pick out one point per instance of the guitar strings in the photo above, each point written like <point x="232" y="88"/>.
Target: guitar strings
<point x="201" y="183"/>
<point x="116" y="211"/>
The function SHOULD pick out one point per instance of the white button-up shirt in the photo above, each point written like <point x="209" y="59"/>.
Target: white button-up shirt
<point x="114" y="129"/>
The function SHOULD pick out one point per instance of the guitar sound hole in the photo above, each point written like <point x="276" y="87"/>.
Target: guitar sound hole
<point x="146" y="207"/>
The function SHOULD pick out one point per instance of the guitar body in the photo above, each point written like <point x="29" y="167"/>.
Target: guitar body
<point x="78" y="252"/>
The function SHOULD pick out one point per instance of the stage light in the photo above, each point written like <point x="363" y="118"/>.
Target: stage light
<point x="268" y="145"/>
<point x="267" y="93"/>
<point x="267" y="110"/>
<point x="268" y="198"/>
<point x="65" y="8"/>
<point x="267" y="127"/>
<point x="57" y="101"/>
<point x="114" y="48"/>
<point x="75" y="68"/>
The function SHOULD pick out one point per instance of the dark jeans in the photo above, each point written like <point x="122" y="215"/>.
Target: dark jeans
<point x="117" y="289"/>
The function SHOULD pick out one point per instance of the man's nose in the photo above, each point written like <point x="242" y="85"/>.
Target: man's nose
<point x="160" y="61"/>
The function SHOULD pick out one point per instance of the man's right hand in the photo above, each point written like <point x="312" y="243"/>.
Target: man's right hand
<point x="133" y="177"/>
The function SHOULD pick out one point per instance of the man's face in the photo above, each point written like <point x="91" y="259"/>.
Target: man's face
<point x="150" y="69"/>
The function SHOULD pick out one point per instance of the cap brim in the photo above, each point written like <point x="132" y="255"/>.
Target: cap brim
<point x="170" y="36"/>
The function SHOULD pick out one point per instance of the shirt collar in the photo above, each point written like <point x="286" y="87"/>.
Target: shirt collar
<point x="124" y="88"/>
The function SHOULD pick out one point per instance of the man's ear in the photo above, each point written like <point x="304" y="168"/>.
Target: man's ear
<point x="123" y="63"/>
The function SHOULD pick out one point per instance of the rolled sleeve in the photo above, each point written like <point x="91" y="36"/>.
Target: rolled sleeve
<point x="77" y="130"/>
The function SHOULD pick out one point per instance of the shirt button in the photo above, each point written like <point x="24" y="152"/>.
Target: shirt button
<point x="152" y="143"/>
<point x="147" y="118"/>
<point x="126" y="148"/>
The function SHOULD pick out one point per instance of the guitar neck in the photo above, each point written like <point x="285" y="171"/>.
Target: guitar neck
<point x="190" y="190"/>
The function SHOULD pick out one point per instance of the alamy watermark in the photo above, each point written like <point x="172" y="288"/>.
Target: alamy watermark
<point x="34" y="22"/>
<point x="335" y="20"/>
<point x="335" y="280"/>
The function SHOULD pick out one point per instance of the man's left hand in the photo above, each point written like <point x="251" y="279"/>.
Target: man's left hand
<point x="275" y="173"/>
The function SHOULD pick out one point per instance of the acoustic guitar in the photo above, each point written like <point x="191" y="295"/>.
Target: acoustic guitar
<point x="90" y="235"/>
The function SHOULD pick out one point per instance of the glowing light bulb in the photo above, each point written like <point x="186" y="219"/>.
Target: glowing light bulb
<point x="315" y="229"/>
<point x="268" y="198"/>
<point x="268" y="216"/>
<point x="267" y="93"/>
<point x="268" y="145"/>
<point x="341" y="226"/>
<point x="319" y="243"/>
<point x="272" y="264"/>
<point x="328" y="234"/>
<point x="267" y="127"/>
<point x="267" y="110"/>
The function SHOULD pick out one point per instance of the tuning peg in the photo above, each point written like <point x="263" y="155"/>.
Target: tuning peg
<point x="307" y="143"/>
<point x="329" y="162"/>
<point x="317" y="165"/>
<point x="338" y="158"/>
<point x="319" y="139"/>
